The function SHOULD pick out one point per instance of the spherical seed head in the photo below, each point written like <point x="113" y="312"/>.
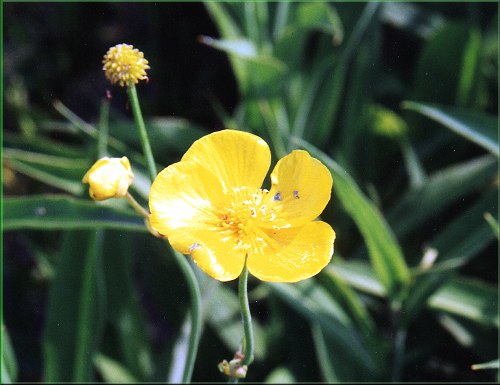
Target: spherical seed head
<point x="125" y="65"/>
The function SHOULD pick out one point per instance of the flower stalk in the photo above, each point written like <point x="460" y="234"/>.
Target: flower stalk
<point x="195" y="297"/>
<point x="139" y="121"/>
<point x="248" y="340"/>
<point x="102" y="139"/>
<point x="137" y="207"/>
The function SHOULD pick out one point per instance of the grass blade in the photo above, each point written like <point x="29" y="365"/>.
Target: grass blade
<point x="60" y="212"/>
<point x="112" y="371"/>
<point x="443" y="188"/>
<point x="477" y="127"/>
<point x="75" y="310"/>
<point x="468" y="298"/>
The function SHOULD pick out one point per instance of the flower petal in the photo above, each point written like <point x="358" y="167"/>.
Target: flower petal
<point x="301" y="188"/>
<point x="237" y="158"/>
<point x="293" y="254"/>
<point x="214" y="253"/>
<point x="184" y="195"/>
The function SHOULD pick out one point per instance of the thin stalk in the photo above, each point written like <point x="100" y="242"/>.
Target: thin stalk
<point x="137" y="207"/>
<point x="84" y="336"/>
<point x="146" y="146"/>
<point x="399" y="341"/>
<point x="248" y="341"/>
<point x="399" y="352"/>
<point x="102" y="139"/>
<point x="272" y="128"/>
<point x="195" y="297"/>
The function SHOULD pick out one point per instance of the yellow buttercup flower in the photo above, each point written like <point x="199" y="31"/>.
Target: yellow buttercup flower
<point x="109" y="178"/>
<point x="211" y="205"/>
<point x="125" y="65"/>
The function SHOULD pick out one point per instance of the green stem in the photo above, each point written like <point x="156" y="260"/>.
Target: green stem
<point x="248" y="341"/>
<point x="399" y="352"/>
<point x="85" y="309"/>
<point x="146" y="146"/>
<point x="272" y="129"/>
<point x="399" y="342"/>
<point x="195" y="296"/>
<point x="102" y="139"/>
<point x="137" y="207"/>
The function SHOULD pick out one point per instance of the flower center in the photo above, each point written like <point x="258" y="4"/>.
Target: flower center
<point x="241" y="222"/>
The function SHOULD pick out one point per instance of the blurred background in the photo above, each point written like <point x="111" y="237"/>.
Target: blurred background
<point x="399" y="100"/>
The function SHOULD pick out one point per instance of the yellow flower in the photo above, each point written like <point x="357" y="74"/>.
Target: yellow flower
<point x="125" y="65"/>
<point x="211" y="205"/>
<point x="109" y="178"/>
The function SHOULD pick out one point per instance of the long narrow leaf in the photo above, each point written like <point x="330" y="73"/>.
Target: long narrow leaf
<point x="456" y="244"/>
<point x="112" y="371"/>
<point x="124" y="309"/>
<point x="9" y="362"/>
<point x="470" y="299"/>
<point x="75" y="310"/>
<point x="59" y="212"/>
<point x="443" y="188"/>
<point x="479" y="128"/>
<point x="315" y="305"/>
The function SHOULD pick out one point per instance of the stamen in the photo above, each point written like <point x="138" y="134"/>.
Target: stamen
<point x="194" y="246"/>
<point x="296" y="194"/>
<point x="277" y="196"/>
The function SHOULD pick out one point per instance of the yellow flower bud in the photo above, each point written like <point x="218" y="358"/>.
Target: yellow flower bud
<point x="125" y="65"/>
<point x="109" y="178"/>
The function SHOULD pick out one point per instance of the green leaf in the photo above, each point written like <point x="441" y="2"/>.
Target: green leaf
<point x="43" y="145"/>
<point x="494" y="364"/>
<point x="225" y="23"/>
<point x="478" y="127"/>
<point x="63" y="173"/>
<point x="323" y="354"/>
<point x="355" y="119"/>
<point x="59" y="212"/>
<point x="455" y="245"/>
<point x="359" y="275"/>
<point x="321" y="16"/>
<point x="347" y="345"/>
<point x="321" y="98"/>
<point x="75" y="309"/>
<point x="468" y="298"/>
<point x="9" y="362"/>
<point x="448" y="78"/>
<point x="385" y="253"/>
<point x="493" y="223"/>
<point x="443" y="188"/>
<point x="280" y="375"/>
<point x="124" y="309"/>
<point x="112" y="371"/>
<point x="255" y="71"/>
<point x="349" y="300"/>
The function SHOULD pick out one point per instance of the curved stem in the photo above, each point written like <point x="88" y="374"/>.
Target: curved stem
<point x="137" y="207"/>
<point x="102" y="139"/>
<point x="248" y="341"/>
<point x="146" y="146"/>
<point x="195" y="297"/>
